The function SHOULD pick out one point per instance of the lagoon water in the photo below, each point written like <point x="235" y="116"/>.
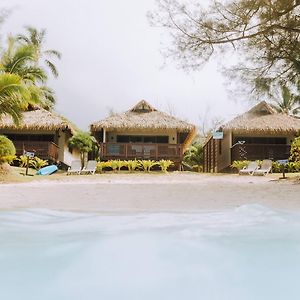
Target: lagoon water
<point x="247" y="253"/>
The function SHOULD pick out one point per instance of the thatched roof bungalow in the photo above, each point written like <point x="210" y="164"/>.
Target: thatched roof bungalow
<point x="143" y="132"/>
<point x="42" y="131"/>
<point x="260" y="133"/>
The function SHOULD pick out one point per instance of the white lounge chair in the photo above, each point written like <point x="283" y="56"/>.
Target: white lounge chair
<point x="90" y="167"/>
<point x="75" y="167"/>
<point x="253" y="166"/>
<point x="266" y="167"/>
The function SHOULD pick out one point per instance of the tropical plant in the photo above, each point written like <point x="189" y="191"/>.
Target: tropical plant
<point x="146" y="165"/>
<point x="239" y="164"/>
<point x="38" y="163"/>
<point x="14" y="96"/>
<point x="7" y="149"/>
<point x="132" y="165"/>
<point x="194" y="156"/>
<point x="82" y="142"/>
<point x="120" y="164"/>
<point x="36" y="38"/>
<point x="23" y="161"/>
<point x="101" y="165"/>
<point x="21" y="60"/>
<point x="295" y="150"/>
<point x="289" y="103"/>
<point x="165" y="164"/>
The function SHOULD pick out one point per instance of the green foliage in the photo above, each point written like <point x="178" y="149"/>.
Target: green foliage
<point x="120" y="164"/>
<point x="288" y="102"/>
<point x="239" y="164"/>
<point x="14" y="96"/>
<point x="132" y="165"/>
<point x="146" y="165"/>
<point x="194" y="156"/>
<point x="295" y="150"/>
<point x="23" y="161"/>
<point x="38" y="163"/>
<point x="101" y="165"/>
<point x="165" y="164"/>
<point x="264" y="35"/>
<point x="83" y="142"/>
<point x="7" y="149"/>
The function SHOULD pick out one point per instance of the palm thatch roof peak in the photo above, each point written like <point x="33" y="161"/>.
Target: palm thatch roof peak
<point x="263" y="118"/>
<point x="142" y="116"/>
<point x="38" y="119"/>
<point x="142" y="106"/>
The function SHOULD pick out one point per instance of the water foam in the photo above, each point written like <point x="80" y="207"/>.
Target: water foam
<point x="250" y="252"/>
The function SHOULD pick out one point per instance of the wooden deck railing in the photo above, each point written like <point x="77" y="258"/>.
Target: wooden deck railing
<point x="258" y="151"/>
<point x="141" y="151"/>
<point x="44" y="150"/>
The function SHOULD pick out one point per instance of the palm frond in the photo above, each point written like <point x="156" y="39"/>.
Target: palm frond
<point x="53" y="53"/>
<point x="52" y="68"/>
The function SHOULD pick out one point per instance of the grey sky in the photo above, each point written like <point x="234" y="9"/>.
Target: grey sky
<point x="111" y="60"/>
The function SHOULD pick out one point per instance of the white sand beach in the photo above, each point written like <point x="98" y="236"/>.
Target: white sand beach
<point x="130" y="193"/>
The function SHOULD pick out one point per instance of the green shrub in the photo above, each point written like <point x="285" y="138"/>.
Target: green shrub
<point x="121" y="164"/>
<point x="100" y="166"/>
<point x="194" y="156"/>
<point x="239" y="164"/>
<point x="132" y="165"/>
<point x="165" y="164"/>
<point x="38" y="163"/>
<point x="7" y="149"/>
<point x="23" y="160"/>
<point x="146" y="165"/>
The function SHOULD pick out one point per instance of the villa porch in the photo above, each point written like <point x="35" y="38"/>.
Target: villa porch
<point x="260" y="151"/>
<point x="129" y="151"/>
<point x="43" y="149"/>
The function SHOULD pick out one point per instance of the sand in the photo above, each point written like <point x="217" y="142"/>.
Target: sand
<point x="131" y="193"/>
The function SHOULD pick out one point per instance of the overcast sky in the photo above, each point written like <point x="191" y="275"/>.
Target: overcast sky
<point x="111" y="60"/>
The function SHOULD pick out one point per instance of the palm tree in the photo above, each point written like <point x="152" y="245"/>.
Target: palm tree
<point x="14" y="96"/>
<point x="36" y="39"/>
<point x="289" y="103"/>
<point x="194" y="156"/>
<point x="21" y="60"/>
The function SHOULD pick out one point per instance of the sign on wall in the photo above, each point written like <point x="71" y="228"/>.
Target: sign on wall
<point x="218" y="135"/>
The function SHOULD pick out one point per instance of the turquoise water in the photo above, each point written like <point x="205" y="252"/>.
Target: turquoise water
<point x="250" y="252"/>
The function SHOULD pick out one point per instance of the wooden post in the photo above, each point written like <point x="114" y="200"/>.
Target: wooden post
<point x="104" y="135"/>
<point x="27" y="166"/>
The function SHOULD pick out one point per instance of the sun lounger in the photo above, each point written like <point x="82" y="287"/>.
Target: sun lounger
<point x="248" y="170"/>
<point x="266" y="167"/>
<point x="75" y="167"/>
<point x="90" y="167"/>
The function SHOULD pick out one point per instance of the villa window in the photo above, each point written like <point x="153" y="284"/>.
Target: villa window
<point x="142" y="139"/>
<point x="261" y="140"/>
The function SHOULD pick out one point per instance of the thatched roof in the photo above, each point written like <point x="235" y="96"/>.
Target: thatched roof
<point x="142" y="116"/>
<point x="37" y="119"/>
<point x="263" y="118"/>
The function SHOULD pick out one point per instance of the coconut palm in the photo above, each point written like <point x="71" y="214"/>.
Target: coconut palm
<point x="14" y="96"/>
<point x="289" y="103"/>
<point x="21" y="60"/>
<point x="36" y="38"/>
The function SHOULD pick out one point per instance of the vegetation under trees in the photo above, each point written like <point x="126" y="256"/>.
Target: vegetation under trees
<point x="265" y="35"/>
